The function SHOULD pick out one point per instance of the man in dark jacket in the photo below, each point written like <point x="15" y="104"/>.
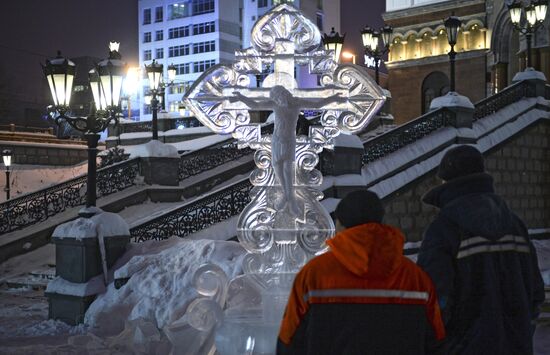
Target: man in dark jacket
<point x="478" y="253"/>
<point x="362" y="296"/>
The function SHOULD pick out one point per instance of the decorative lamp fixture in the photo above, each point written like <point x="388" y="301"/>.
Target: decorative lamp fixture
<point x="334" y="42"/>
<point x="154" y="72"/>
<point x="541" y="6"/>
<point x="366" y="36"/>
<point x="531" y="15"/>
<point x="60" y="74"/>
<point x="387" y="32"/>
<point x="515" y="9"/>
<point x="452" y="25"/>
<point x="97" y="92"/>
<point x="111" y="73"/>
<point x="171" y="73"/>
<point x="6" y="157"/>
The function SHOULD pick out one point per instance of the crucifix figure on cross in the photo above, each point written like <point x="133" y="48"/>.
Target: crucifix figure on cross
<point x="285" y="217"/>
<point x="286" y="108"/>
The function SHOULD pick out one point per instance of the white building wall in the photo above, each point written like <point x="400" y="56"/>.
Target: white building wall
<point x="393" y="5"/>
<point x="234" y="21"/>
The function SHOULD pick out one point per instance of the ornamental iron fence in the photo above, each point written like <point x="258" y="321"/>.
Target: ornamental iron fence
<point x="508" y="96"/>
<point x="197" y="215"/>
<point x="37" y="206"/>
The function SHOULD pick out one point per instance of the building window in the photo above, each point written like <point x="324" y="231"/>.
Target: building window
<point x="181" y="69"/>
<point x="178" y="51"/>
<point x="147" y="54"/>
<point x="146" y="16"/>
<point x="435" y="84"/>
<point x="320" y="21"/>
<point x="203" y="6"/>
<point x="205" y="27"/>
<point x="199" y="67"/>
<point x="159" y="53"/>
<point x="159" y="35"/>
<point x="146" y="37"/>
<point x="203" y="47"/>
<point x="178" y="10"/>
<point x="262" y="3"/>
<point x="178" y="32"/>
<point x="158" y="14"/>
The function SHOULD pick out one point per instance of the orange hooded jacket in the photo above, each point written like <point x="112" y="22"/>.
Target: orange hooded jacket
<point x="348" y="298"/>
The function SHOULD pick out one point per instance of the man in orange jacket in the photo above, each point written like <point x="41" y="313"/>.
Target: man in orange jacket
<point x="362" y="296"/>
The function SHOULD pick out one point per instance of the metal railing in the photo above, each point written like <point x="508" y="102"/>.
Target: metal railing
<point x="406" y="134"/>
<point x="509" y="95"/>
<point x="197" y="215"/>
<point x="214" y="155"/>
<point x="37" y="206"/>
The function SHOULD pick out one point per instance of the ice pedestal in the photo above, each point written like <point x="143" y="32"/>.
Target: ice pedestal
<point x="252" y="327"/>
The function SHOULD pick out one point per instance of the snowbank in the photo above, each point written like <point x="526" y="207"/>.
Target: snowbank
<point x="154" y="148"/>
<point x="92" y="287"/>
<point x="159" y="288"/>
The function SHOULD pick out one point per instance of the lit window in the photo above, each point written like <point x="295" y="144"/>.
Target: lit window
<point x="178" y="10"/>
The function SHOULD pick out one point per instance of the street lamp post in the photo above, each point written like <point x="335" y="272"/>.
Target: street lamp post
<point x="452" y="24"/>
<point x="106" y="84"/>
<point x="6" y="156"/>
<point x="372" y="40"/>
<point x="535" y="13"/>
<point x="334" y="42"/>
<point x="154" y="73"/>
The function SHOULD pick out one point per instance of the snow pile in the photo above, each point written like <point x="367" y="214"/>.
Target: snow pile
<point x="50" y="327"/>
<point x="451" y="99"/>
<point x="159" y="288"/>
<point x="154" y="148"/>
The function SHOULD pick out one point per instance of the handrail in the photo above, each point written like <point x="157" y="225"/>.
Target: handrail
<point x="213" y="155"/>
<point x="37" y="206"/>
<point x="509" y="95"/>
<point x="406" y="134"/>
<point x="214" y="208"/>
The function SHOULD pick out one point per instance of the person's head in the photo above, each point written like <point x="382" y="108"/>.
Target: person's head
<point x="461" y="161"/>
<point x="280" y="95"/>
<point x="358" y="207"/>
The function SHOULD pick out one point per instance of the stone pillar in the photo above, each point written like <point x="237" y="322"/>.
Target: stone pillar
<point x="346" y="158"/>
<point x="463" y="110"/>
<point x="85" y="248"/>
<point x="160" y="170"/>
<point x="535" y="78"/>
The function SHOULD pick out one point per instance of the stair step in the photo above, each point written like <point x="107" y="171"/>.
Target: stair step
<point x="27" y="281"/>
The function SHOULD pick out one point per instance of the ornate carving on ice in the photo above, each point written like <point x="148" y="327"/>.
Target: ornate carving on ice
<point x="284" y="224"/>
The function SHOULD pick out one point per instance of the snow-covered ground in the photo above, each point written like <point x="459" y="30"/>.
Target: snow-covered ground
<point x="29" y="178"/>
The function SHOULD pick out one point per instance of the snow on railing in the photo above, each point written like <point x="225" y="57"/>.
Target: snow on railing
<point x="508" y="96"/>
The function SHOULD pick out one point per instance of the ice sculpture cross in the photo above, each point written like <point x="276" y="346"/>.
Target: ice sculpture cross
<point x="285" y="216"/>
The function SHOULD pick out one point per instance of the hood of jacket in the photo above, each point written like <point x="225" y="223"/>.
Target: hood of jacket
<point x="372" y="249"/>
<point x="471" y="203"/>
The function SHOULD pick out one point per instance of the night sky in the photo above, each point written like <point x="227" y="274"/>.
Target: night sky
<point x="34" y="30"/>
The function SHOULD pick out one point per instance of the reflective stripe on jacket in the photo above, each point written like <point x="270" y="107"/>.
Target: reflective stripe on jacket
<point x="361" y="295"/>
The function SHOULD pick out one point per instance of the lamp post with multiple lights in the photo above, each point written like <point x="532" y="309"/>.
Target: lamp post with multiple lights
<point x="535" y="13"/>
<point x="106" y="84"/>
<point x="6" y="157"/>
<point x="157" y="90"/>
<point x="377" y="43"/>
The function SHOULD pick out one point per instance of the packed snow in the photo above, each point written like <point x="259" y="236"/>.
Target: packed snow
<point x="154" y="148"/>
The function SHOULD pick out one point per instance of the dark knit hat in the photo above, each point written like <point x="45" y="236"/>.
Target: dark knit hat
<point x="461" y="161"/>
<point x="359" y="207"/>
